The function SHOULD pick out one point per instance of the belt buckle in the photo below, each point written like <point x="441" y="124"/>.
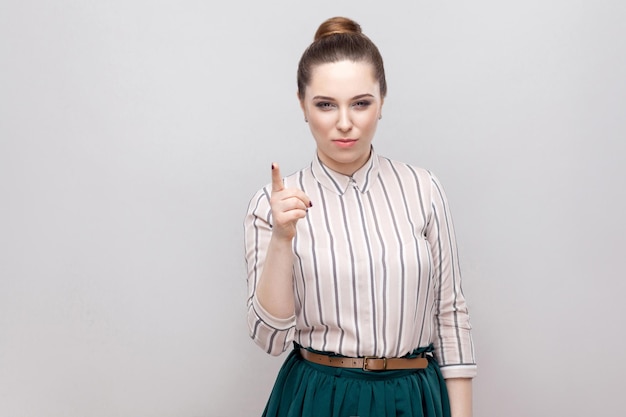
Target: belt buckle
<point x="366" y="358"/>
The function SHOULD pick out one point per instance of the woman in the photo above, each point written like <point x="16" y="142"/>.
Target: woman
<point x="353" y="260"/>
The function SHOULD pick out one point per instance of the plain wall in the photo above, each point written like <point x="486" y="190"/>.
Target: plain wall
<point x="133" y="134"/>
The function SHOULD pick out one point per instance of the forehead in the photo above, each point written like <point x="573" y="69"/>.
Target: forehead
<point x="343" y="79"/>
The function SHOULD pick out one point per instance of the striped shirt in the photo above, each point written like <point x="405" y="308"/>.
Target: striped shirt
<point x="375" y="267"/>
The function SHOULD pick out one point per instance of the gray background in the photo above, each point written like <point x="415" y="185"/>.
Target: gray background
<point x="133" y="133"/>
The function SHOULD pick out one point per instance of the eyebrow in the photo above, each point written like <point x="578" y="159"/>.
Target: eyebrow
<point x="353" y="98"/>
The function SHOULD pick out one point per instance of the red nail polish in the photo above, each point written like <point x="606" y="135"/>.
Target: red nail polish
<point x="310" y="204"/>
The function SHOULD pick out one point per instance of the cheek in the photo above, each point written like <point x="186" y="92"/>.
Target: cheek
<point x="368" y="121"/>
<point x="317" y="130"/>
<point x="321" y="123"/>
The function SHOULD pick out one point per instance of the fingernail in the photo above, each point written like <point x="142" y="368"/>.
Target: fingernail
<point x="272" y="165"/>
<point x="310" y="204"/>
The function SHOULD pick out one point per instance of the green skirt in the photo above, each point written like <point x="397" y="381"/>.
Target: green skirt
<point x="305" y="389"/>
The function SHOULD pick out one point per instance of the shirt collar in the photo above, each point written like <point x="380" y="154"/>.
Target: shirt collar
<point x="339" y="183"/>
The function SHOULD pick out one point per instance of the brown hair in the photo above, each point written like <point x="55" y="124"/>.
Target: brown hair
<point x="338" y="39"/>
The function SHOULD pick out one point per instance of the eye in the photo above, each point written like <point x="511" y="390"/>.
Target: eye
<point x="324" y="105"/>
<point x="362" y="104"/>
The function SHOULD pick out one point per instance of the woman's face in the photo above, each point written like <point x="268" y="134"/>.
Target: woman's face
<point x="342" y="104"/>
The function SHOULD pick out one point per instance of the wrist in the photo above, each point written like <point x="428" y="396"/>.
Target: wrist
<point x="278" y="239"/>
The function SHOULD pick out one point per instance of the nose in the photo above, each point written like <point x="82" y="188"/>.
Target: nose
<point x="344" y="122"/>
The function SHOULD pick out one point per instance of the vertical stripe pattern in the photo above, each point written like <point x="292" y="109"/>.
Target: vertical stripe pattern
<point x="376" y="269"/>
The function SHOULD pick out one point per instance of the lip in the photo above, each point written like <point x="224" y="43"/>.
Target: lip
<point x="345" y="143"/>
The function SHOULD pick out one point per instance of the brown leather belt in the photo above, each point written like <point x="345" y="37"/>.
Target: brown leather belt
<point x="367" y="363"/>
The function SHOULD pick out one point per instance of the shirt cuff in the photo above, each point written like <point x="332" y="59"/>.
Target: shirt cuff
<point x="459" y="371"/>
<point x="267" y="318"/>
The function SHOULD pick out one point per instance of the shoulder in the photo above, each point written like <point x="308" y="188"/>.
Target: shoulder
<point x="259" y="204"/>
<point x="405" y="171"/>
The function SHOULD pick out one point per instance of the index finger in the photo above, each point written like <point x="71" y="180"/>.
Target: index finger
<point x="277" y="180"/>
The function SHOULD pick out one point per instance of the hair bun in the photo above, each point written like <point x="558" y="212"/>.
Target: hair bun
<point x="337" y="25"/>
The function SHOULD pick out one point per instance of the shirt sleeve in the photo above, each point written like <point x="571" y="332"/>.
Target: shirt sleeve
<point x="454" y="347"/>
<point x="272" y="334"/>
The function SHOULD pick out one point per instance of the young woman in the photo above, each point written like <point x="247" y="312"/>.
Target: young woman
<point x="352" y="261"/>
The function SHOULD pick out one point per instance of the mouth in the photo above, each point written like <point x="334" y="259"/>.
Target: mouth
<point x="345" y="143"/>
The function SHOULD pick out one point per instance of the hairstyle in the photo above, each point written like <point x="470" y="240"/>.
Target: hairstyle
<point x="338" y="39"/>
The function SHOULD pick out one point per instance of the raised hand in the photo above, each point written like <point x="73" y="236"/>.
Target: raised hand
<point x="288" y="206"/>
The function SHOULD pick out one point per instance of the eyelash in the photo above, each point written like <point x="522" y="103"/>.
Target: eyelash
<point x="325" y="105"/>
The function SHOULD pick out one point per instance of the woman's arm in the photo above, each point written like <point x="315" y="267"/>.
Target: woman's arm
<point x="460" y="394"/>
<point x="454" y="346"/>
<point x="453" y="342"/>
<point x="274" y="291"/>
<point x="275" y="287"/>
<point x="269" y="232"/>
